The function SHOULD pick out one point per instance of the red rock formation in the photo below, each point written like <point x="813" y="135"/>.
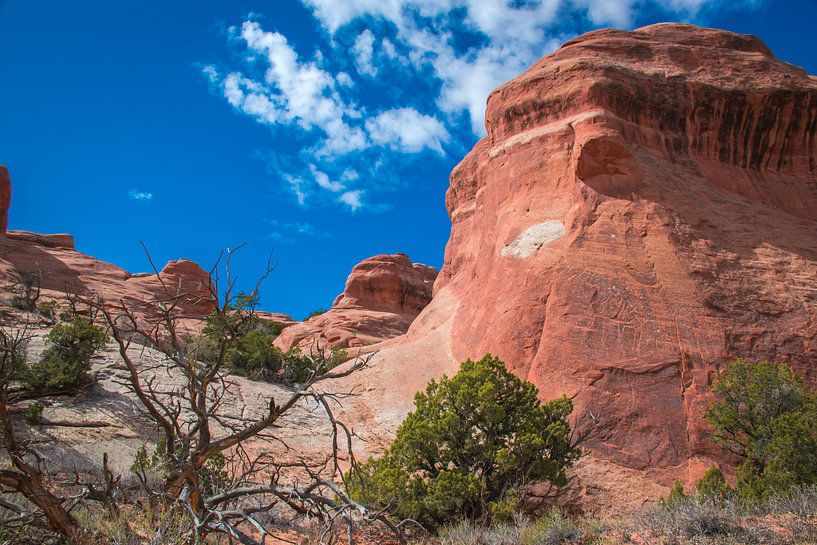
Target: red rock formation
<point x="5" y="198"/>
<point x="642" y="211"/>
<point x="61" y="268"/>
<point x="382" y="297"/>
<point x="279" y="318"/>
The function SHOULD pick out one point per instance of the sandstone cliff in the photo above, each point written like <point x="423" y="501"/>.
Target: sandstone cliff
<point x="383" y="295"/>
<point x="643" y="210"/>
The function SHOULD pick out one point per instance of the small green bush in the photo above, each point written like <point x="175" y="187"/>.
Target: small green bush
<point x="471" y="441"/>
<point x="213" y="476"/>
<point x="299" y="367"/>
<point x="248" y="340"/>
<point x="48" y="310"/>
<point x="66" y="363"/>
<point x="713" y="485"/>
<point x="766" y="415"/>
<point x="314" y="313"/>
<point x="253" y="354"/>
<point x="34" y="413"/>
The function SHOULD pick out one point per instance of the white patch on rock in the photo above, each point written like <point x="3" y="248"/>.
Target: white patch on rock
<point x="533" y="238"/>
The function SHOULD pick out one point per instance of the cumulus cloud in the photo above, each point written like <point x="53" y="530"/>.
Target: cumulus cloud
<point x="388" y="79"/>
<point x="363" y="51"/>
<point x="137" y="195"/>
<point x="353" y="199"/>
<point x="407" y="130"/>
<point x="516" y="33"/>
<point x="323" y="180"/>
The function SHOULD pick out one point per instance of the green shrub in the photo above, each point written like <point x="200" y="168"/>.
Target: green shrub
<point x="314" y="313"/>
<point x="506" y="508"/>
<point x="253" y="354"/>
<point x="471" y="440"/>
<point x="48" y="310"/>
<point x="213" y="475"/>
<point x="766" y="415"/>
<point x="248" y="340"/>
<point x="676" y="495"/>
<point x="713" y="485"/>
<point x="299" y="367"/>
<point x="66" y="363"/>
<point x="34" y="413"/>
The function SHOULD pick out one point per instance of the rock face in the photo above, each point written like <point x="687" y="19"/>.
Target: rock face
<point x="5" y="199"/>
<point x="61" y="268"/>
<point x="382" y="297"/>
<point x="642" y="211"/>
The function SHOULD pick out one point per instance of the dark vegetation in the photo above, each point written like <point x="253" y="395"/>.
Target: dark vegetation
<point x="764" y="415"/>
<point x="470" y="449"/>
<point x="316" y="312"/>
<point x="251" y="352"/>
<point x="66" y="364"/>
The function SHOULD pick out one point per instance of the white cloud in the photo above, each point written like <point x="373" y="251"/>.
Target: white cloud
<point x="407" y="130"/>
<point x="517" y="33"/>
<point x="297" y="186"/>
<point x="353" y="199"/>
<point x="460" y="49"/>
<point x="323" y="180"/>
<point x="344" y="79"/>
<point x="363" y="51"/>
<point x="137" y="195"/>
<point x="286" y="232"/>
<point x="614" y="12"/>
<point x="292" y="91"/>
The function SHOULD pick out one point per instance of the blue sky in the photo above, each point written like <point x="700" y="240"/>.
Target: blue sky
<point x="320" y="130"/>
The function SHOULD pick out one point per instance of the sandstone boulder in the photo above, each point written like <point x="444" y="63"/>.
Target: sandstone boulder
<point x="382" y="297"/>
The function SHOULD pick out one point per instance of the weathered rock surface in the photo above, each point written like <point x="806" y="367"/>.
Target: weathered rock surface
<point x="62" y="269"/>
<point x="642" y="211"/>
<point x="383" y="295"/>
<point x="5" y="198"/>
<point x="284" y="320"/>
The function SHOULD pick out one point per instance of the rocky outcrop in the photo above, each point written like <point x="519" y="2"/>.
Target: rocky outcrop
<point x="382" y="297"/>
<point x="642" y="211"/>
<point x="5" y="199"/>
<point x="61" y="269"/>
<point x="283" y="320"/>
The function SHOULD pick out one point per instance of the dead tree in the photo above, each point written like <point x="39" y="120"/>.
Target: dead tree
<point x="184" y="395"/>
<point x="25" y="290"/>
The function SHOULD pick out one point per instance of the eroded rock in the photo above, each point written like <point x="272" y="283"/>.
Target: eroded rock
<point x="383" y="295"/>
